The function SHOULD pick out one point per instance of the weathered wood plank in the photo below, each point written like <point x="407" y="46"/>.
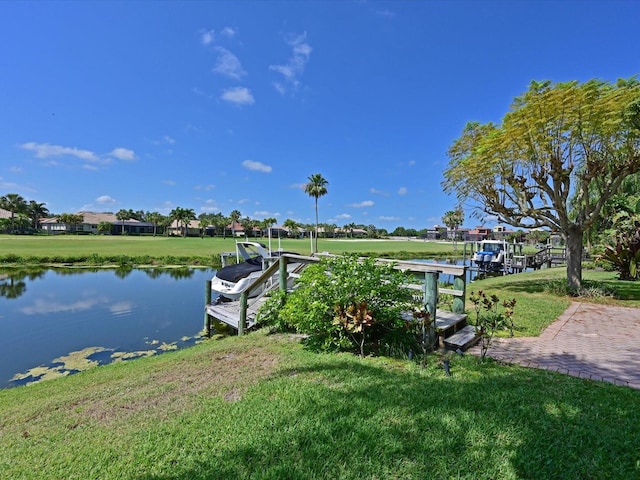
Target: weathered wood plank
<point x="462" y="339"/>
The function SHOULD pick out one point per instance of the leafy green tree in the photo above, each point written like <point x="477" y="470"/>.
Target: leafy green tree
<point x="15" y="204"/>
<point x="71" y="220"/>
<point x="105" y="227"/>
<point x="292" y="227"/>
<point x="267" y="223"/>
<point x="453" y="219"/>
<point x="36" y="211"/>
<point x="357" y="307"/>
<point x="156" y="219"/>
<point x="622" y="250"/>
<point x="183" y="217"/>
<point x="122" y="216"/>
<point x="316" y="188"/>
<point x="557" y="140"/>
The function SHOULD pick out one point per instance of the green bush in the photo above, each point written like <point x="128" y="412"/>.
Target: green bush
<point x="343" y="303"/>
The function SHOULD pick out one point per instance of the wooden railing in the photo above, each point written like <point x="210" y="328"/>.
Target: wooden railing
<point x="428" y="273"/>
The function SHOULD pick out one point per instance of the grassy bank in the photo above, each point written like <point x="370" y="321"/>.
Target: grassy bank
<point x="98" y="249"/>
<point x="262" y="407"/>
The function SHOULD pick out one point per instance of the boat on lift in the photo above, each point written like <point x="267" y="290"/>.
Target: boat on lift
<point x="490" y="257"/>
<point x="252" y="259"/>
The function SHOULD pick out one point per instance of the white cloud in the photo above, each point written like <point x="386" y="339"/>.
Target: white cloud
<point x="266" y="214"/>
<point x="256" y="166"/>
<point x="375" y="191"/>
<point x="45" y="150"/>
<point x="412" y="163"/>
<point x="14" y="186"/>
<point x="402" y="191"/>
<point x="227" y="64"/>
<point x="169" y="140"/>
<point x="105" y="200"/>
<point x="238" y="95"/>
<point x="228" y="32"/>
<point x="91" y="167"/>
<point x="207" y="37"/>
<point x="366" y="203"/>
<point x="242" y="201"/>
<point x="123" y="154"/>
<point x="294" y="68"/>
<point x="15" y="169"/>
<point x="343" y="216"/>
<point x="384" y="218"/>
<point x="205" y="188"/>
<point x="171" y="183"/>
<point x="210" y="206"/>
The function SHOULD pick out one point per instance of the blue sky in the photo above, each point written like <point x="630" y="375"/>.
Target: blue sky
<point x="221" y="106"/>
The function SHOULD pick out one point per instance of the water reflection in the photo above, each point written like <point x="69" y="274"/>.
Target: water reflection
<point x="57" y="322"/>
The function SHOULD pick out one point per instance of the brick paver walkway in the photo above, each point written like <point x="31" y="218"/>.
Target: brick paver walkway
<point x="598" y="342"/>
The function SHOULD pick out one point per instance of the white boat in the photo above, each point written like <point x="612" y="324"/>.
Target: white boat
<point x="253" y="258"/>
<point x="490" y="257"/>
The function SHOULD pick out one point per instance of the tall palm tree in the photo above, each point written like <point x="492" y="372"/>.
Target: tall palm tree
<point x="123" y="215"/>
<point x="291" y="226"/>
<point x="234" y="216"/>
<point x="156" y="219"/>
<point x="316" y="188"/>
<point x="36" y="211"/>
<point x="13" y="203"/>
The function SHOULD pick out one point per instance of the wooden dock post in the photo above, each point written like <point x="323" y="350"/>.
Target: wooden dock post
<point x="207" y="301"/>
<point x="283" y="273"/>
<point x="431" y="303"/>
<point x="243" y="312"/>
<point x="459" y="283"/>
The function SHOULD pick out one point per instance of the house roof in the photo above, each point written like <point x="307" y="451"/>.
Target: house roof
<point x="5" y="213"/>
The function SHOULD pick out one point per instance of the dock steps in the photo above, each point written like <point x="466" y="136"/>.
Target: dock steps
<point x="464" y="338"/>
<point x="229" y="312"/>
<point x="452" y="329"/>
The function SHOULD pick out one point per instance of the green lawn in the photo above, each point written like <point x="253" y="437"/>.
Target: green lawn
<point x="263" y="407"/>
<point x="71" y="248"/>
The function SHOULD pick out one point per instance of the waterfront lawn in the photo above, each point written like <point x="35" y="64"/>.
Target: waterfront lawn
<point x="537" y="303"/>
<point x="72" y="247"/>
<point x="262" y="407"/>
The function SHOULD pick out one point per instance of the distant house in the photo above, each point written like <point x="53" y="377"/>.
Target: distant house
<point x="478" y="234"/>
<point x="90" y="222"/>
<point x="177" y="228"/>
<point x="5" y="213"/>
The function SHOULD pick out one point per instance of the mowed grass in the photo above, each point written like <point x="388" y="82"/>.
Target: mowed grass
<point x="69" y="246"/>
<point x="262" y="407"/>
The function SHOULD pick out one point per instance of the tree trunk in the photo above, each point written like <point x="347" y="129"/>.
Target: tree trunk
<point x="573" y="239"/>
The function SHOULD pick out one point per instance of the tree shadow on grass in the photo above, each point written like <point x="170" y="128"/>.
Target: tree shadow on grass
<point x="353" y="419"/>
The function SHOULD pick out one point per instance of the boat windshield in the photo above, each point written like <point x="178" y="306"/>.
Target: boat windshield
<point x="492" y="247"/>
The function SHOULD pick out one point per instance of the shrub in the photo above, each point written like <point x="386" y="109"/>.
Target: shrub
<point x="343" y="303"/>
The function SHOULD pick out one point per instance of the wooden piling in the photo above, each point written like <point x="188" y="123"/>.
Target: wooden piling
<point x="207" y="301"/>
<point x="283" y="273"/>
<point x="459" y="283"/>
<point x="243" y="312"/>
<point x="431" y="303"/>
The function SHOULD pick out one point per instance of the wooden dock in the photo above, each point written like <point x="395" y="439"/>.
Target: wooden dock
<point x="229" y="312"/>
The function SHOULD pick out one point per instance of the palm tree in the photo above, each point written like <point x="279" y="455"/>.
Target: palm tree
<point x="13" y="203"/>
<point x="156" y="219"/>
<point x="291" y="226"/>
<point x="453" y="219"/>
<point x="234" y="216"/>
<point x="316" y="188"/>
<point x="36" y="211"/>
<point x="123" y="215"/>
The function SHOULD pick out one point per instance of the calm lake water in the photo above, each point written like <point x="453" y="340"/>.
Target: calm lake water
<point x="55" y="322"/>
